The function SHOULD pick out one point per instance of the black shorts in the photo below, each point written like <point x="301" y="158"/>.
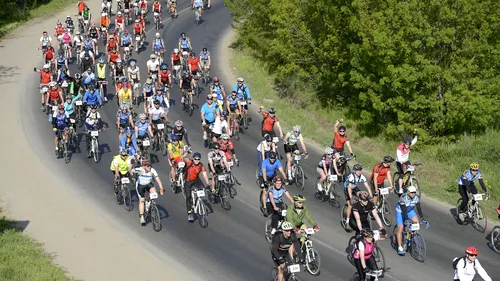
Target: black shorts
<point x="120" y="174"/>
<point x="338" y="150"/>
<point x="149" y="94"/>
<point x="217" y="136"/>
<point x="261" y="180"/>
<point x="354" y="191"/>
<point x="233" y="107"/>
<point x="290" y="148"/>
<point x="141" y="189"/>
<point x="271" y="133"/>
<point x="194" y="73"/>
<point x="282" y="254"/>
<point x="159" y="121"/>
<point x="218" y="169"/>
<point x="124" y="125"/>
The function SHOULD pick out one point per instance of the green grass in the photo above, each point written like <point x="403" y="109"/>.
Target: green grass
<point x="22" y="258"/>
<point x="443" y="163"/>
<point x="50" y="8"/>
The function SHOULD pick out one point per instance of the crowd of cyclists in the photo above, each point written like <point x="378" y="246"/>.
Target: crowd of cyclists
<point x="64" y="95"/>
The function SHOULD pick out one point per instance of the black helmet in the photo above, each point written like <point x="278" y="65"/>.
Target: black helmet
<point x="94" y="106"/>
<point x="269" y="138"/>
<point x="272" y="155"/>
<point x="91" y="87"/>
<point x="183" y="33"/>
<point x="163" y="67"/>
<point x="156" y="102"/>
<point x="407" y="140"/>
<point x="272" y="110"/>
<point x="367" y="232"/>
<point x="357" y="167"/>
<point x="342" y="128"/>
<point x="388" y="159"/>
<point x="215" y="145"/>
<point x="205" y="49"/>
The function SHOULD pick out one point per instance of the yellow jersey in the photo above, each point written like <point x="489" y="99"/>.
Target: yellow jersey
<point x="101" y="71"/>
<point x="176" y="150"/>
<point x="123" y="165"/>
<point x="126" y="94"/>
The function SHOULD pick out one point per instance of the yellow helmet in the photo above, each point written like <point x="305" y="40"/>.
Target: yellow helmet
<point x="474" y="166"/>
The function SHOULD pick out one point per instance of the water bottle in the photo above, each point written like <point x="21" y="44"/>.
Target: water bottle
<point x="147" y="205"/>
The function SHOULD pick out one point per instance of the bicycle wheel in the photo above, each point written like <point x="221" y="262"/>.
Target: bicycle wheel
<point x="127" y="199"/>
<point x="379" y="259"/>
<point x="232" y="191"/>
<point x="262" y="209"/>
<point x="163" y="147"/>
<point x="269" y="236"/>
<point x="119" y="197"/>
<point x="417" y="247"/>
<point x="190" y="109"/>
<point x="313" y="262"/>
<point x="415" y="183"/>
<point x="479" y="220"/>
<point x="274" y="275"/>
<point x="395" y="182"/>
<point x="224" y="197"/>
<point x="95" y="150"/>
<point x="355" y="277"/>
<point x="343" y="217"/>
<point x="245" y="120"/>
<point x="236" y="130"/>
<point x="202" y="215"/>
<point x="65" y="153"/>
<point x="385" y="213"/>
<point x="155" y="217"/>
<point x="495" y="239"/>
<point x="334" y="202"/>
<point x="299" y="177"/>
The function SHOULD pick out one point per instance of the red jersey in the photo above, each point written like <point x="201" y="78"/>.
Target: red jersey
<point x="45" y="77"/>
<point x="192" y="171"/>
<point x="164" y="76"/>
<point x="53" y="95"/>
<point x="156" y="7"/>
<point x="113" y="57"/>
<point x="144" y="4"/>
<point x="49" y="54"/>
<point x="111" y="44"/>
<point x="338" y="141"/>
<point x="59" y="30"/>
<point x="138" y="28"/>
<point x="119" y="19"/>
<point x="268" y="122"/>
<point x="194" y="63"/>
<point x="226" y="147"/>
<point x="382" y="173"/>
<point x="81" y="6"/>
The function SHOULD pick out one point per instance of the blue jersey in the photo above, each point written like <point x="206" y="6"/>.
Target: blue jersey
<point x="233" y="101"/>
<point x="61" y="120"/>
<point x="184" y="43"/>
<point x="157" y="43"/>
<point x="92" y="98"/>
<point x="159" y="97"/>
<point x="277" y="194"/>
<point x="126" y="39"/>
<point x="217" y="90"/>
<point x="124" y="117"/>
<point x="198" y="3"/>
<point x="354" y="180"/>
<point x="408" y="202"/>
<point x="68" y="107"/>
<point x="88" y="44"/>
<point x="128" y="143"/>
<point x="204" y="56"/>
<point x="243" y="91"/>
<point x="148" y="87"/>
<point x="209" y="112"/>
<point x="60" y="60"/>
<point x="468" y="176"/>
<point x="270" y="167"/>
<point x="143" y="127"/>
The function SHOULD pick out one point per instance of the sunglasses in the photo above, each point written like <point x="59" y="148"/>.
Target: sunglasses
<point x="341" y="131"/>
<point x="300" y="202"/>
<point x="196" y="159"/>
<point x="472" y="255"/>
<point x="413" y="192"/>
<point x="475" y="170"/>
<point x="149" y="166"/>
<point x="287" y="230"/>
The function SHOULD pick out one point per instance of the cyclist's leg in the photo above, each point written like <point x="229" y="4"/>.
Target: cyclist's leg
<point x="465" y="197"/>
<point x="274" y="217"/>
<point x="140" y="193"/>
<point x="322" y="178"/>
<point x="399" y="229"/>
<point x="359" y="268"/>
<point x="288" y="152"/>
<point x="401" y="173"/>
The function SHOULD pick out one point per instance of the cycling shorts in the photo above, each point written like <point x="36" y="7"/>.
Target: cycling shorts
<point x="141" y="189"/>
<point x="354" y="192"/>
<point x="400" y="219"/>
<point x="290" y="148"/>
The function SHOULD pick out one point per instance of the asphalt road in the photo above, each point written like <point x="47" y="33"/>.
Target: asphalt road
<point x="233" y="246"/>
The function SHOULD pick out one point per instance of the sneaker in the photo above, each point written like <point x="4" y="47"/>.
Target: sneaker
<point x="43" y="108"/>
<point x="273" y="231"/>
<point x="190" y="218"/>
<point x="320" y="187"/>
<point x="105" y="99"/>
<point x="401" y="251"/>
<point x="143" y="220"/>
<point x="462" y="216"/>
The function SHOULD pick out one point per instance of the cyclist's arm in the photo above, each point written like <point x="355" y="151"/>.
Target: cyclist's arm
<point x="336" y="127"/>
<point x="325" y="169"/>
<point x="483" y="186"/>
<point x="275" y="247"/>
<point x="186" y="137"/>
<point x="264" y="172"/>
<point x="303" y="145"/>
<point x="211" y="165"/>
<point x="480" y="270"/>
<point x="157" y="179"/>
<point x="308" y="216"/>
<point x="367" y="186"/>
<point x="150" y="131"/>
<point x="402" y="205"/>
<point x="419" y="210"/>
<point x="271" y="199"/>
<point x="279" y="128"/>
<point x="357" y="218"/>
<point x="349" y="191"/>
<point x="377" y="218"/>
<point x="282" y="172"/>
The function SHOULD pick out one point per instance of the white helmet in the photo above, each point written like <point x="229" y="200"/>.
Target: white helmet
<point x="142" y="116"/>
<point x="104" y="14"/>
<point x="176" y="50"/>
<point x="411" y="189"/>
<point x="157" y="34"/>
<point x="52" y="84"/>
<point x="137" y="20"/>
<point x="119" y="12"/>
<point x="46" y="66"/>
<point x="329" y="150"/>
<point x="224" y="136"/>
<point x="152" y="56"/>
<point x="118" y="61"/>
<point x="240" y="79"/>
<point x="178" y="123"/>
<point x="296" y="128"/>
<point x="286" y="225"/>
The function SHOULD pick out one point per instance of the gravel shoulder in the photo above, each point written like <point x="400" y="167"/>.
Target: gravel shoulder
<point x="83" y="241"/>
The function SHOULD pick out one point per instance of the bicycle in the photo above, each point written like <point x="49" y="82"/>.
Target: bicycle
<point x="231" y="181"/>
<point x="197" y="16"/>
<point x="159" y="142"/>
<point x="123" y="194"/>
<point x="297" y="171"/>
<point x="200" y="208"/>
<point x="289" y="274"/>
<point x="343" y="166"/>
<point x="329" y="192"/>
<point x="475" y="214"/>
<point x="94" y="145"/>
<point x="151" y="212"/>
<point x="495" y="239"/>
<point x="372" y="273"/>
<point x="102" y="87"/>
<point x="244" y="118"/>
<point x="222" y="191"/>
<point x="383" y="207"/>
<point x="62" y="145"/>
<point x="205" y="74"/>
<point x="79" y="113"/>
<point x="312" y="257"/>
<point x="179" y="179"/>
<point x="235" y="126"/>
<point x="276" y="141"/>
<point x="72" y="133"/>
<point x="144" y="147"/>
<point x="136" y="95"/>
<point x="377" y="253"/>
<point x="268" y="228"/>
<point x="409" y="179"/>
<point x="156" y="18"/>
<point x="187" y="105"/>
<point x="343" y="213"/>
<point x="413" y="241"/>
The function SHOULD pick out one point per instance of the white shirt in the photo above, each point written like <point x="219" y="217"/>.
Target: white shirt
<point x="266" y="146"/>
<point x="468" y="273"/>
<point x="156" y="113"/>
<point x="91" y="117"/>
<point x="153" y="65"/>
<point x="45" y="40"/>
<point x="145" y="178"/>
<point x="133" y="71"/>
<point x="401" y="156"/>
<point x="218" y="125"/>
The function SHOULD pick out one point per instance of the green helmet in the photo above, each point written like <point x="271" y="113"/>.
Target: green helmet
<point x="299" y="197"/>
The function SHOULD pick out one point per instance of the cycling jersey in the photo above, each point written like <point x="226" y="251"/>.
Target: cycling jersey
<point x="176" y="149"/>
<point x="186" y="82"/>
<point x="88" y="44"/>
<point x="339" y="140"/>
<point x="54" y="95"/>
<point x="408" y="202"/>
<point x="156" y="113"/>
<point x="217" y="90"/>
<point x="193" y="62"/>
<point x="292" y="139"/>
<point x="148" y="88"/>
<point x="129" y="143"/>
<point x="184" y="43"/>
<point x="68" y="106"/>
<point x="179" y="132"/>
<point x="122" y="165"/>
<point x="60" y="120"/>
<point x="243" y="91"/>
<point x="216" y="156"/>
<point x="126" y="94"/>
<point x="268" y="122"/>
<point x="138" y="28"/>
<point x="193" y="170"/>
<point x="366" y="247"/>
<point x="204" y="56"/>
<point x="176" y="58"/>
<point x="198" y="3"/>
<point x="159" y="97"/>
<point x="60" y="60"/>
<point x="49" y="54"/>
<point x="270" y="167"/>
<point x="209" y="112"/>
<point x="363" y="211"/>
<point x="124" y="117"/>
<point x="93" y="33"/>
<point x="45" y="40"/>
<point x="219" y="125"/>
<point x="402" y="154"/>
<point x="112" y="44"/>
<point x="280" y="246"/>
<point x="119" y="19"/>
<point x="86" y="14"/>
<point x="126" y="39"/>
<point x="467" y="175"/>
<point x="92" y="118"/>
<point x="92" y="98"/>
<point x="143" y="127"/>
<point x="66" y="38"/>
<point x="164" y="76"/>
<point x="153" y="65"/>
<point x="233" y="101"/>
<point x="144" y="177"/>
<point x="45" y="77"/>
<point x="133" y="72"/>
<point x="156" y="7"/>
<point x="277" y="194"/>
<point x="101" y="71"/>
<point x="158" y="44"/>
<point x="267" y="146"/>
<point x="326" y="160"/>
<point x="354" y="180"/>
<point x="382" y="173"/>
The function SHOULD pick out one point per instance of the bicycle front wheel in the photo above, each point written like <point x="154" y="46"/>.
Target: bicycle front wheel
<point x="313" y="262"/>
<point x="66" y="153"/>
<point x="274" y="275"/>
<point x="385" y="213"/>
<point x="127" y="199"/>
<point x="379" y="259"/>
<point x="224" y="197"/>
<point x="395" y="182"/>
<point x="299" y="177"/>
<point x="479" y="221"/>
<point x="417" y="247"/>
<point x="495" y="239"/>
<point x="155" y="217"/>
<point x="95" y="150"/>
<point x="202" y="214"/>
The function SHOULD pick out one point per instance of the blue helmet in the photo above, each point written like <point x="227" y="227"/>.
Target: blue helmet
<point x="197" y="155"/>
<point x="128" y="131"/>
<point x="174" y="137"/>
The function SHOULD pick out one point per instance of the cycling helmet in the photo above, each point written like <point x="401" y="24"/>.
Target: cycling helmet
<point x="178" y="123"/>
<point x="123" y="107"/>
<point x="119" y="12"/>
<point x="272" y="155"/>
<point x="160" y="88"/>
<point x="132" y="63"/>
<point x="471" y="250"/>
<point x="94" y="106"/>
<point x="69" y="97"/>
<point x="123" y="152"/>
<point x="357" y="167"/>
<point x="223" y="113"/>
<point x="118" y="61"/>
<point x="104" y="14"/>
<point x="209" y="97"/>
<point x="224" y="136"/>
<point x="205" y="49"/>
<point x="183" y="34"/>
<point x="286" y="226"/>
<point x="215" y="146"/>
<point x="328" y="150"/>
<point x="197" y="155"/>
<point x="296" y="128"/>
<point x="240" y="79"/>
<point x="411" y="189"/>
<point x="156" y="102"/>
<point x="149" y="81"/>
<point x="146" y="163"/>
<point x="367" y="233"/>
<point x="388" y="159"/>
<point x="78" y="76"/>
<point x="60" y="52"/>
<point x="269" y="138"/>
<point x="174" y="137"/>
<point x="53" y="84"/>
<point x="474" y="166"/>
<point x="215" y="79"/>
<point x="46" y="66"/>
<point x="142" y="116"/>
<point x="272" y="110"/>
<point x="101" y="60"/>
<point x="152" y="56"/>
<point x="299" y="197"/>
<point x="91" y="87"/>
<point x="128" y="131"/>
<point x="61" y="107"/>
<point x="163" y="67"/>
<point x="407" y="140"/>
<point x="77" y="32"/>
<point x="176" y="50"/>
<point x="277" y="179"/>
<point x="137" y="21"/>
<point x="193" y="54"/>
<point x="157" y="34"/>
<point x="363" y="195"/>
<point x="341" y="128"/>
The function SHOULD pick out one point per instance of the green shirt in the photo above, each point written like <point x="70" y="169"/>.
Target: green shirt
<point x="296" y="218"/>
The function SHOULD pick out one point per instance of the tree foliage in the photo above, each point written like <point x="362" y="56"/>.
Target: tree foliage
<point x="18" y="10"/>
<point x="394" y="64"/>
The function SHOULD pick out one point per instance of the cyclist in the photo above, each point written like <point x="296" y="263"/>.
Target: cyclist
<point x="157" y="115"/>
<point x="119" y="21"/>
<point x="360" y="213"/>
<point x="354" y="179"/>
<point x="93" y="121"/>
<point x="217" y="89"/>
<point x="81" y="5"/>
<point x="340" y="139"/>
<point x="285" y="246"/>
<point x="405" y="209"/>
<point x="226" y="145"/>
<point x="184" y="43"/>
<point x="324" y="167"/>
<point x="208" y="112"/>
<point x="220" y="126"/>
<point x="123" y="120"/>
<point x="194" y="65"/>
<point x="380" y="172"/>
<point x="242" y="89"/>
<point x="290" y="146"/>
<point x="86" y="15"/>
<point x="175" y="154"/>
<point x="76" y="84"/>
<point x="264" y="148"/>
<point x="126" y="39"/>
<point x="364" y="261"/>
<point x="268" y="172"/>
<point x="180" y="131"/>
<point x="148" y="91"/>
<point x="92" y="96"/>
<point x="138" y="33"/>
<point x="158" y="44"/>
<point x="205" y="60"/>
<point x="466" y="185"/>
<point x="233" y="105"/>
<point x="45" y="78"/>
<point x="186" y="85"/>
<point x="467" y="267"/>
<point x="125" y="96"/>
<point x="274" y="201"/>
<point x="111" y="43"/>
<point x="297" y="212"/>
<point x="54" y="95"/>
<point x="128" y="141"/>
<point x="44" y="41"/>
<point x="94" y="35"/>
<point x="69" y="104"/>
<point x="198" y="5"/>
<point x="403" y="157"/>
<point x="87" y="64"/>
<point x="157" y="9"/>
<point x="133" y="73"/>
<point x="67" y="40"/>
<point x="119" y="70"/>
<point x="62" y="75"/>
<point x="160" y="97"/>
<point x="58" y="31"/>
<point x="61" y="60"/>
<point x="192" y="173"/>
<point x="60" y="122"/>
<point x="176" y="62"/>
<point x="217" y="163"/>
<point x="142" y="127"/>
<point x="268" y="122"/>
<point x="121" y="167"/>
<point x="49" y="54"/>
<point x="104" y="22"/>
<point x="145" y="176"/>
<point x="153" y="65"/>
<point x="101" y="76"/>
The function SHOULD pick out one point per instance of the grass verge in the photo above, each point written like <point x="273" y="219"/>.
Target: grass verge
<point x="443" y="163"/>
<point x="43" y="10"/>
<point x="22" y="258"/>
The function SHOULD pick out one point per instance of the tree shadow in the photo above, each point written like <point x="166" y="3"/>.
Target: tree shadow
<point x="7" y="224"/>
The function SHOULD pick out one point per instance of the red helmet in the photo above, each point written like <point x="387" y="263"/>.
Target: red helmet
<point x="146" y="163"/>
<point x="471" y="250"/>
<point x="276" y="179"/>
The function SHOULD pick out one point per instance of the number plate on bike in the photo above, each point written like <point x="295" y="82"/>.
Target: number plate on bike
<point x="229" y="163"/>
<point x="127" y="49"/>
<point x="54" y="108"/>
<point x="78" y="102"/>
<point x="276" y="139"/>
<point x="297" y="157"/>
<point x="200" y="193"/>
<point x="376" y="235"/>
<point x="478" y="197"/>
<point x="125" y="180"/>
<point x="220" y="102"/>
<point x="222" y="177"/>
<point x="137" y="38"/>
<point x="104" y="82"/>
<point x="145" y="143"/>
<point x="415" y="226"/>
<point x="294" y="268"/>
<point x="243" y="102"/>
<point x="181" y="164"/>
<point x="310" y="231"/>
<point x="333" y="177"/>
<point x="153" y="195"/>
<point x="72" y="121"/>
<point x="94" y="133"/>
<point x="384" y="191"/>
<point x="161" y="126"/>
<point x="411" y="168"/>
<point x="283" y="213"/>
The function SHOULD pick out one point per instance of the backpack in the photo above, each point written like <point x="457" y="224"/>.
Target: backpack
<point x="456" y="260"/>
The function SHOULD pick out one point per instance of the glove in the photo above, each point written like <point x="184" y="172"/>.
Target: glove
<point x="366" y="270"/>
<point x="316" y="228"/>
<point x="54" y="129"/>
<point x="383" y="232"/>
<point x="415" y="132"/>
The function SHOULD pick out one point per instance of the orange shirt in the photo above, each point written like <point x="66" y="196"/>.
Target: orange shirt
<point x="338" y="140"/>
<point x="194" y="63"/>
<point x="113" y="57"/>
<point x="268" y="122"/>
<point x="156" y="7"/>
<point x="44" y="77"/>
<point x="104" y="21"/>
<point x="193" y="171"/>
<point x="382" y="173"/>
<point x="81" y="6"/>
